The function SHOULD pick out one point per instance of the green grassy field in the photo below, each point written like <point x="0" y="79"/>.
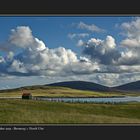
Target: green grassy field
<point x="62" y="92"/>
<point x="33" y="111"/>
<point x="30" y="111"/>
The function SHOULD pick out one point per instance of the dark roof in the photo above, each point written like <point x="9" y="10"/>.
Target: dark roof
<point x="26" y="94"/>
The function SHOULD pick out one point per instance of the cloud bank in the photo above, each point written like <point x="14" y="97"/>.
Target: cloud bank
<point x="102" y="60"/>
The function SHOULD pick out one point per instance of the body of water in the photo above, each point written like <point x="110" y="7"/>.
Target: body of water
<point x="92" y="100"/>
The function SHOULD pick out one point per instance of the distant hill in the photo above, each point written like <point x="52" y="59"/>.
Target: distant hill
<point x="81" y="85"/>
<point x="133" y="86"/>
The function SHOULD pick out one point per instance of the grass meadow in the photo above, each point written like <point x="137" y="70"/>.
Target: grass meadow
<point x="33" y="111"/>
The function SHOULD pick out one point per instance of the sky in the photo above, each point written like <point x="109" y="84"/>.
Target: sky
<point x="36" y="50"/>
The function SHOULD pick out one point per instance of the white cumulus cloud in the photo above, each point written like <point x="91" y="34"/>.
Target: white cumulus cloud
<point x="21" y="36"/>
<point x="102" y="51"/>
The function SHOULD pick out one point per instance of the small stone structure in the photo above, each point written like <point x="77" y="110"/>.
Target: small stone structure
<point x="26" y="96"/>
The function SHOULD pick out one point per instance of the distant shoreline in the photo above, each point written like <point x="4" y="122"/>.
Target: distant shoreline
<point x="83" y="97"/>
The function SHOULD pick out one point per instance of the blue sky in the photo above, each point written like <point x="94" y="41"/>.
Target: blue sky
<point x="54" y="30"/>
<point x="47" y="49"/>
